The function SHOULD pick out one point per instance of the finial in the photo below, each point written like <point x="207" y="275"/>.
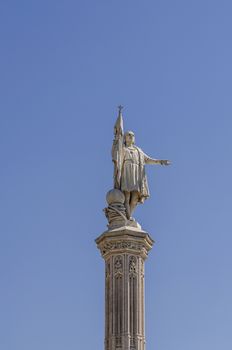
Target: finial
<point x="120" y="109"/>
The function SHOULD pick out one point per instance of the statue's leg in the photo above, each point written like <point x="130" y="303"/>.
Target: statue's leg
<point x="127" y="204"/>
<point x="133" y="201"/>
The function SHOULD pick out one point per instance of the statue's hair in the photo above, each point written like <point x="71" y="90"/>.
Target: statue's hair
<point x="129" y="133"/>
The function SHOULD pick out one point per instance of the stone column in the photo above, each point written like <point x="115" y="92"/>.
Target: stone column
<point x="124" y="250"/>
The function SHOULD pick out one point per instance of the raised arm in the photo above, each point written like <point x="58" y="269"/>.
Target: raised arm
<point x="117" y="149"/>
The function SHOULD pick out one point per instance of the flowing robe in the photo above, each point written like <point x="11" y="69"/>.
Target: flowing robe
<point x="133" y="176"/>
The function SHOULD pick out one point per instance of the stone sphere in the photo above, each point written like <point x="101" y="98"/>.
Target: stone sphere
<point x="115" y="196"/>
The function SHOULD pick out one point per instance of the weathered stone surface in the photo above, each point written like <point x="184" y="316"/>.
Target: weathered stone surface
<point x="124" y="251"/>
<point x="129" y="167"/>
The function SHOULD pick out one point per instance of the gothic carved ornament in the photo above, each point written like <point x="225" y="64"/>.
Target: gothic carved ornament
<point x="133" y="265"/>
<point x="121" y="245"/>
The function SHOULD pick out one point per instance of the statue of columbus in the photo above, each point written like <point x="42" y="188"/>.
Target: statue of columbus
<point x="129" y="167"/>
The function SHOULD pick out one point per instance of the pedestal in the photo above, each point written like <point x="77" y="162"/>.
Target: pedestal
<point x="124" y="250"/>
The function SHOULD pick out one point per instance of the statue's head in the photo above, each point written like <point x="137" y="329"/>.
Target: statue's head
<point x="129" y="138"/>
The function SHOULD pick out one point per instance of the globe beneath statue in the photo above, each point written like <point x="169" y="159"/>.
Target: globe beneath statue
<point x="115" y="196"/>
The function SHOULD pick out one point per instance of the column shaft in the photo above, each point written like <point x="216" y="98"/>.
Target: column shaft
<point x="124" y="253"/>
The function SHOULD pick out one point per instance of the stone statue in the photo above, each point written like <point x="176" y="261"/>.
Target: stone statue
<point x="130" y="179"/>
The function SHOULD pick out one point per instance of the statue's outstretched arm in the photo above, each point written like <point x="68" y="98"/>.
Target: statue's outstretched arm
<point x="149" y="160"/>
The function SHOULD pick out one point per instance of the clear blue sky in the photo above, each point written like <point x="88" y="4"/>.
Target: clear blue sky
<point x="64" y="68"/>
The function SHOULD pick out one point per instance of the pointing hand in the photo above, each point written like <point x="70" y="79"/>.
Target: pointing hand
<point x="165" y="162"/>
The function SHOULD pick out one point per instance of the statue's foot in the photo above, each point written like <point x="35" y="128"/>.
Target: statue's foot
<point x="133" y="223"/>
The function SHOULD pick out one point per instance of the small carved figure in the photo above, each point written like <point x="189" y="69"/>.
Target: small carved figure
<point x="132" y="265"/>
<point x="118" y="264"/>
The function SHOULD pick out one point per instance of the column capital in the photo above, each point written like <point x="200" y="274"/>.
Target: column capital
<point x="125" y="239"/>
